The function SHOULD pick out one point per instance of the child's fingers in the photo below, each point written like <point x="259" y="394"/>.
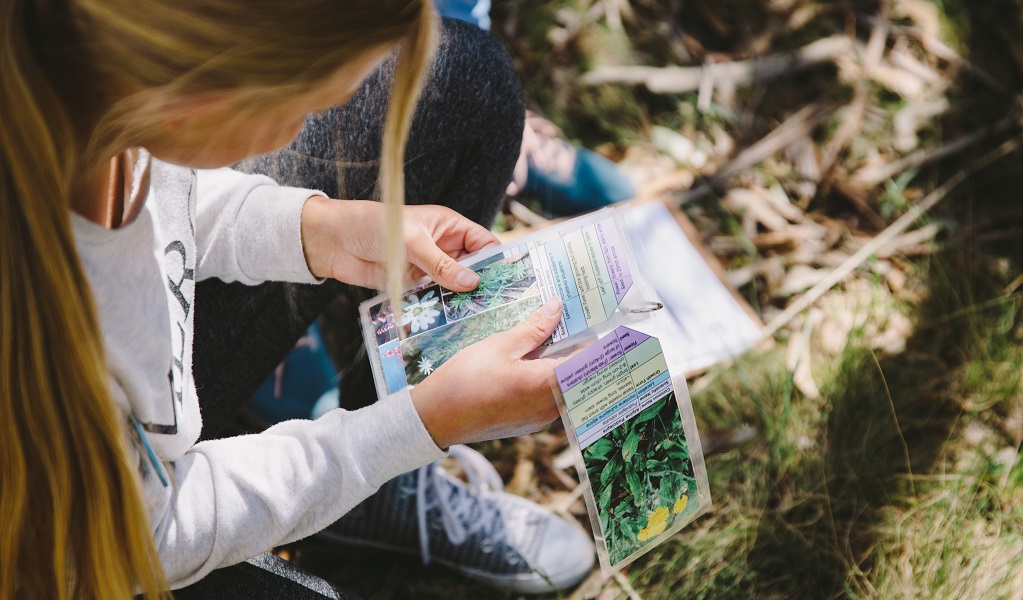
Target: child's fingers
<point x="425" y="254"/>
<point x="529" y="334"/>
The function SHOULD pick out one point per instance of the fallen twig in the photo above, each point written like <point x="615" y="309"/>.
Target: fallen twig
<point x="677" y="80"/>
<point x="623" y="583"/>
<point x="795" y="127"/>
<point x="869" y="177"/>
<point x="871" y="58"/>
<point x="884" y="238"/>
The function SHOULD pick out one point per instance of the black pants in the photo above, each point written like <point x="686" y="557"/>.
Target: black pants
<point x="461" y="151"/>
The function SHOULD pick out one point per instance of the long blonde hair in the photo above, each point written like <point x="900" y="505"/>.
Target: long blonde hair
<point x="72" y="522"/>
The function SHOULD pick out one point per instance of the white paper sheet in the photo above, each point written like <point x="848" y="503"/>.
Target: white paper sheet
<point x="708" y="322"/>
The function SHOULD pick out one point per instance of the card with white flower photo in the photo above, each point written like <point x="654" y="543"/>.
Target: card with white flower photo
<point x="423" y="353"/>
<point x="504" y="278"/>
<point x="421" y="311"/>
<point x="586" y="261"/>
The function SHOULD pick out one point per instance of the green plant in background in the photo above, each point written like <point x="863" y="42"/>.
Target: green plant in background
<point x="500" y="283"/>
<point x="642" y="478"/>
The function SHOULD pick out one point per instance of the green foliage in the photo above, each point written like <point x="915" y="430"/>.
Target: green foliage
<point x="435" y="347"/>
<point x="823" y="502"/>
<point x="639" y="474"/>
<point x="500" y="283"/>
<point x="893" y="202"/>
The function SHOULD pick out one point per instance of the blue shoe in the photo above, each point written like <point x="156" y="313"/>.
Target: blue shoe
<point x="567" y="179"/>
<point x="304" y="385"/>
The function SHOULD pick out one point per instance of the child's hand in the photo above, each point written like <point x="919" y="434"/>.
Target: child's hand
<point x="488" y="390"/>
<point x="345" y="240"/>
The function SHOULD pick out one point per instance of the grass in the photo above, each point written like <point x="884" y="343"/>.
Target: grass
<point x="899" y="482"/>
<point x="902" y="479"/>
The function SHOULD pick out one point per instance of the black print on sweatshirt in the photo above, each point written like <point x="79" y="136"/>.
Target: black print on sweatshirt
<point x="176" y="375"/>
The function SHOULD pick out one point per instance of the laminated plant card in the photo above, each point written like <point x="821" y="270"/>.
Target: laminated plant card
<point x="586" y="261"/>
<point x="637" y="449"/>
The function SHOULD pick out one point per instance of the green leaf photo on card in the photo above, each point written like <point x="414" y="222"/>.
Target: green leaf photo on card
<point x="426" y="352"/>
<point x="503" y="280"/>
<point x="642" y="478"/>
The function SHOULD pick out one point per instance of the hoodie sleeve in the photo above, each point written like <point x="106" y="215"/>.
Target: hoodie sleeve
<point x="228" y="500"/>
<point x="249" y="228"/>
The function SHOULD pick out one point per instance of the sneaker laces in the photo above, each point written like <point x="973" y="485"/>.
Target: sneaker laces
<point x="455" y="508"/>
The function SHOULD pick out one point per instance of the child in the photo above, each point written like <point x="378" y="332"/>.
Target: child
<point x="104" y="494"/>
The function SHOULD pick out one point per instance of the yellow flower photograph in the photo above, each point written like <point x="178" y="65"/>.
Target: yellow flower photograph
<point x="642" y="479"/>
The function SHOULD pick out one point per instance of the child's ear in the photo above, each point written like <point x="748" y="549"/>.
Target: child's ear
<point x="181" y="110"/>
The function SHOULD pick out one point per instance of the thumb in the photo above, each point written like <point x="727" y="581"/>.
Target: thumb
<point x="440" y="267"/>
<point x="529" y="334"/>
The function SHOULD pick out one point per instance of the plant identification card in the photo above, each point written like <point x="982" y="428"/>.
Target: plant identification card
<point x="637" y="443"/>
<point x="586" y="261"/>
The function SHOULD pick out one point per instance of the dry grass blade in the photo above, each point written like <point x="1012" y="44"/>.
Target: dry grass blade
<point x="790" y="131"/>
<point x="869" y="177"/>
<point x="885" y="237"/>
<point x="679" y="80"/>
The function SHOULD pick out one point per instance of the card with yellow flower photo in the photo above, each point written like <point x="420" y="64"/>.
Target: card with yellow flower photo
<point x="637" y="444"/>
<point x="643" y="479"/>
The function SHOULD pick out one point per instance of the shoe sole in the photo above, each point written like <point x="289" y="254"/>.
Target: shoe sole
<point x="523" y="583"/>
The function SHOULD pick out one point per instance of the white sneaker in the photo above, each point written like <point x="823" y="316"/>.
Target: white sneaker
<point x="487" y="534"/>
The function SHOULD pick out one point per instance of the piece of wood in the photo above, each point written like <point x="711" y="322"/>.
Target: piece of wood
<point x="522" y="478"/>
<point x="678" y="80"/>
<point x="870" y="58"/>
<point x="885" y="237"/>
<point x="872" y="176"/>
<point x="794" y="128"/>
<point x="523" y="213"/>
